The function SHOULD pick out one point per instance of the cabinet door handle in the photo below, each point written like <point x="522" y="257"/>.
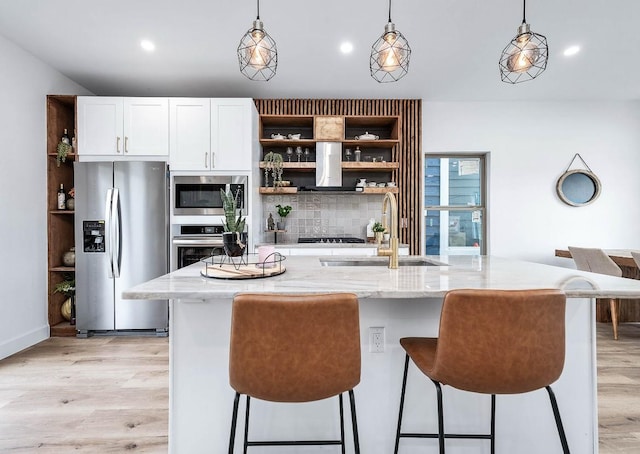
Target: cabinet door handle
<point x="206" y="160"/>
<point x="126" y="144"/>
<point x="118" y="145"/>
<point x="213" y="160"/>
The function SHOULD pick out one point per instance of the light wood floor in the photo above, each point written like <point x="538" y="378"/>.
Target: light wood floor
<point x="110" y="395"/>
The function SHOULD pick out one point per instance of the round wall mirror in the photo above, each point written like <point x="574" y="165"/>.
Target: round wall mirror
<point x="578" y="187"/>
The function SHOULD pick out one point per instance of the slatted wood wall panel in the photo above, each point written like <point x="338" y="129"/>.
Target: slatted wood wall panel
<point x="408" y="152"/>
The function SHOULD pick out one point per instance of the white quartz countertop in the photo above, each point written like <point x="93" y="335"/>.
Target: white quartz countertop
<point x="307" y="274"/>
<point x="325" y="245"/>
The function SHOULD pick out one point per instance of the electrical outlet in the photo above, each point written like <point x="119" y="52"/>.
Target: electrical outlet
<point x="376" y="339"/>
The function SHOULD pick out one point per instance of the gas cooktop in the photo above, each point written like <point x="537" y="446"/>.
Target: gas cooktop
<point x="331" y="239"/>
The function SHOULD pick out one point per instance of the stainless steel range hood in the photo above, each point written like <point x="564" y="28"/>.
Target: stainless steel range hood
<point x="328" y="164"/>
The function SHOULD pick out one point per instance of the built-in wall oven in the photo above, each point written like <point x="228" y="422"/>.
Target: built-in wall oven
<point x="200" y="195"/>
<point x="192" y="243"/>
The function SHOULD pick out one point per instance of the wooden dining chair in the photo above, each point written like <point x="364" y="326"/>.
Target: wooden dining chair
<point x="636" y="257"/>
<point x="597" y="261"/>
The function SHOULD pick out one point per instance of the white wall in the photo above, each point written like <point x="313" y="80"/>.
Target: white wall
<point x="25" y="81"/>
<point x="530" y="145"/>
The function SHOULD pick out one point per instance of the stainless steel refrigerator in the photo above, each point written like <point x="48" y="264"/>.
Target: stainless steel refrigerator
<point x="121" y="241"/>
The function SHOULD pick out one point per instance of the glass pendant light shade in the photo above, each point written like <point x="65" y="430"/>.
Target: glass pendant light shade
<point x="390" y="54"/>
<point x="525" y="57"/>
<point x="257" y="53"/>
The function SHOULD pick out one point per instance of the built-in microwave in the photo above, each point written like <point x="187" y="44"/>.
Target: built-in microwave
<point x="200" y="195"/>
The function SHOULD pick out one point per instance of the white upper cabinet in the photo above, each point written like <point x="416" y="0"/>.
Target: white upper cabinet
<point x="232" y="133"/>
<point x="212" y="134"/>
<point x="115" y="126"/>
<point x="189" y="133"/>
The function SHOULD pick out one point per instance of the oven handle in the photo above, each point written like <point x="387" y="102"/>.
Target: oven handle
<point x="197" y="242"/>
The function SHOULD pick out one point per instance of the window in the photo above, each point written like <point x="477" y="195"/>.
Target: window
<point x="454" y="204"/>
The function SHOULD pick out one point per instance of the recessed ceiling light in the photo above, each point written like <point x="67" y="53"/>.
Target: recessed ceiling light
<point x="571" y="50"/>
<point x="346" y="47"/>
<point x="147" y="45"/>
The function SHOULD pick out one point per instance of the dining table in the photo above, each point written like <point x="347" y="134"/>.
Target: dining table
<point x="629" y="309"/>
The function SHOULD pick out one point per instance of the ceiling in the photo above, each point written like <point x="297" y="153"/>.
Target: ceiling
<point x="455" y="46"/>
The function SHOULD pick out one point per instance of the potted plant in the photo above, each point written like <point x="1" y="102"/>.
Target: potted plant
<point x="234" y="237"/>
<point x="283" y="212"/>
<point x="378" y="231"/>
<point x="68" y="308"/>
<point x="62" y="151"/>
<point x="273" y="165"/>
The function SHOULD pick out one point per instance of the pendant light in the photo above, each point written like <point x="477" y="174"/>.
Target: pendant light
<point x="257" y="53"/>
<point x="525" y="57"/>
<point x="390" y="54"/>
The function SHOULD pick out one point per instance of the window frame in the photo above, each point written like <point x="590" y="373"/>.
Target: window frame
<point x="483" y="158"/>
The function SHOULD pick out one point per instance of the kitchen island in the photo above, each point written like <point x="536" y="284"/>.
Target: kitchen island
<point x="406" y="302"/>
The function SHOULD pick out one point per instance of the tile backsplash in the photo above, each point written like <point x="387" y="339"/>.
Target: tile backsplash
<point x="322" y="214"/>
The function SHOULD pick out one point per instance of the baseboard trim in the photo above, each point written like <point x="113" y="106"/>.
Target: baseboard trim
<point x="14" y="345"/>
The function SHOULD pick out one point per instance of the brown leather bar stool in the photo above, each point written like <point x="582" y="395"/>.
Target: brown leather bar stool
<point x="491" y="342"/>
<point x="294" y="348"/>
<point x="597" y="261"/>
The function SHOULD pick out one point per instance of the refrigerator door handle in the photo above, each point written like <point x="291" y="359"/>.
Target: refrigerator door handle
<point x="117" y="229"/>
<point x="108" y="243"/>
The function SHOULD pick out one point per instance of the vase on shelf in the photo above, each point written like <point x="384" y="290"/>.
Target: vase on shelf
<point x="68" y="310"/>
<point x="71" y="204"/>
<point x="69" y="257"/>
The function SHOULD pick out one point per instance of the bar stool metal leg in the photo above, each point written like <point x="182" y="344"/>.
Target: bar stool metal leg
<point x="354" y="422"/>
<point x="493" y="424"/>
<point x="404" y="386"/>
<point x="341" y="422"/>
<point x="234" y="420"/>
<point x="246" y="426"/>
<point x="556" y="414"/>
<point x="440" y="417"/>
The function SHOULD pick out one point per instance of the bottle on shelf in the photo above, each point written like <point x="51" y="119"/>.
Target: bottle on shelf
<point x="357" y="153"/>
<point x="61" y="198"/>
<point x="65" y="138"/>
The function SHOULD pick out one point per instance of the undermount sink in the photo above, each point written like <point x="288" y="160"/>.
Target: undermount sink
<point x="380" y="261"/>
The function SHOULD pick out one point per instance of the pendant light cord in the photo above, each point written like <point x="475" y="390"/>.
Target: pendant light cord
<point x="258" y="8"/>
<point x="389" y="10"/>
<point x="524" y="9"/>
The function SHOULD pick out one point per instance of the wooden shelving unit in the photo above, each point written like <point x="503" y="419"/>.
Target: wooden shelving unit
<point x="61" y="115"/>
<point x="342" y="128"/>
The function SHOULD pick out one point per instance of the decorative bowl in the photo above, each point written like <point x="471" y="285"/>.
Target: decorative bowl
<point x="367" y="136"/>
<point x="295" y="136"/>
<point x="277" y="136"/>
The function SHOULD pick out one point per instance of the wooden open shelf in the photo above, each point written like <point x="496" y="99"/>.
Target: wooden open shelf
<point x="283" y="190"/>
<point x="293" y="165"/>
<point x="61" y="115"/>
<point x="63" y="329"/>
<point x="377" y="191"/>
<point x="372" y="166"/>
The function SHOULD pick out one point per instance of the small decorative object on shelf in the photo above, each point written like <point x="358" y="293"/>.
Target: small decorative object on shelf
<point x="283" y="212"/>
<point x="68" y="289"/>
<point x="357" y="153"/>
<point x="273" y="165"/>
<point x="63" y="149"/>
<point x="62" y="198"/>
<point x="270" y="223"/>
<point x="71" y="201"/>
<point x="378" y="231"/>
<point x="234" y="237"/>
<point x="69" y="257"/>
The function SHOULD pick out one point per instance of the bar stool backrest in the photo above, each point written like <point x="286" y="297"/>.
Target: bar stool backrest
<point x="636" y="257"/>
<point x="594" y="260"/>
<point x="500" y="341"/>
<point x="294" y="348"/>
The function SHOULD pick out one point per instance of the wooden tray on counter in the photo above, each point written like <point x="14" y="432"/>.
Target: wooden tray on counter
<point x="249" y="268"/>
